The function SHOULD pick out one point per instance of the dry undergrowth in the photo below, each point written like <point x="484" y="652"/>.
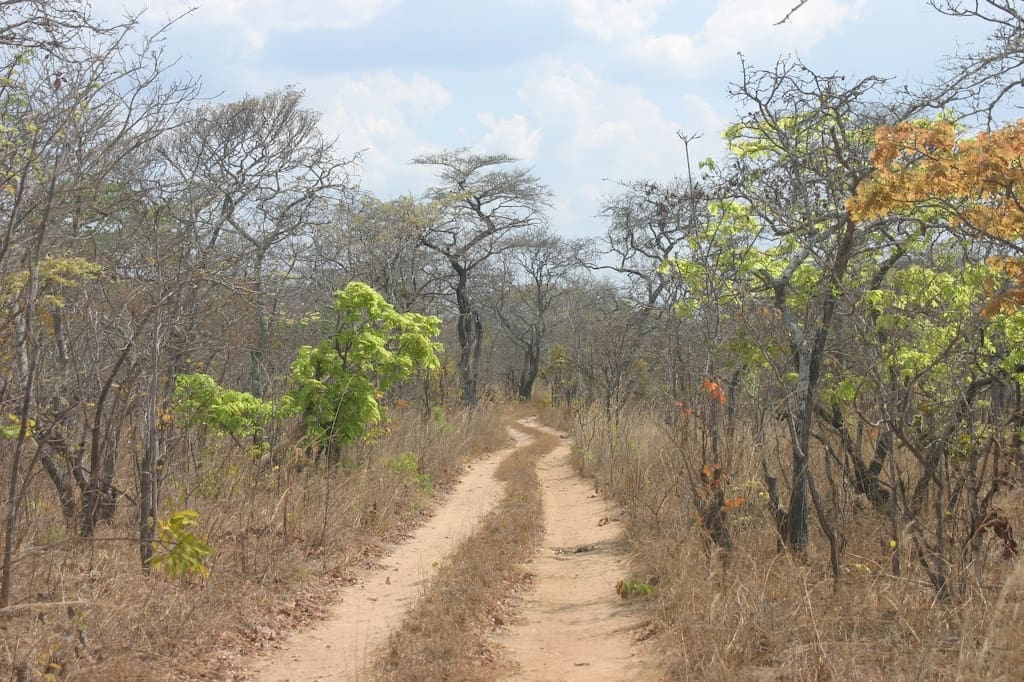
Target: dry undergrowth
<point x="765" y="614"/>
<point x="283" y="539"/>
<point x="444" y="637"/>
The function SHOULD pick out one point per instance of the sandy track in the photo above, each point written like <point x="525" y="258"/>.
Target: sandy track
<point x="574" y="626"/>
<point x="342" y="646"/>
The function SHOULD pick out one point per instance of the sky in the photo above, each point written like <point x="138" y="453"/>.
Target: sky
<point x="588" y="93"/>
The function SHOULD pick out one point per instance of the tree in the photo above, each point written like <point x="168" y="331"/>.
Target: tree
<point x="648" y="224"/>
<point x="483" y="209"/>
<point x="259" y="174"/>
<point x="962" y="351"/>
<point x="794" y="159"/>
<point x="370" y="349"/>
<point x="74" y="110"/>
<point x="971" y="184"/>
<point x="978" y="83"/>
<point x="378" y="242"/>
<point x="527" y="286"/>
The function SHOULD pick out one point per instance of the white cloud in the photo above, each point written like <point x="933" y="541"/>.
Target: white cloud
<point x="700" y="117"/>
<point x="255" y="19"/>
<point x="734" y="26"/>
<point x="738" y="25"/>
<point x="511" y="135"/>
<point x="674" y="48"/>
<point x="608" y="19"/>
<point x="588" y="117"/>
<point x="596" y="130"/>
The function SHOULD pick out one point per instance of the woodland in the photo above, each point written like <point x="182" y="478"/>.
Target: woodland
<point x="227" y="370"/>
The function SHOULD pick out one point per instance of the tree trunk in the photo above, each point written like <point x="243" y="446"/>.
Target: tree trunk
<point x="531" y="366"/>
<point x="148" y="472"/>
<point x="262" y="332"/>
<point x="29" y="358"/>
<point x="97" y="497"/>
<point x="470" y="330"/>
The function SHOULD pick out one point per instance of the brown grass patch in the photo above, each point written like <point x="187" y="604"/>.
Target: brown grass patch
<point x="766" y="614"/>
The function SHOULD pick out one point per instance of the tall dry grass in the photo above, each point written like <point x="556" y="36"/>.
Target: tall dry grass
<point x="758" y="612"/>
<point x="283" y="538"/>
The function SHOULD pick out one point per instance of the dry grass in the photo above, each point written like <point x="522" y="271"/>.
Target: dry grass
<point x="764" y="614"/>
<point x="445" y="636"/>
<point x="283" y="540"/>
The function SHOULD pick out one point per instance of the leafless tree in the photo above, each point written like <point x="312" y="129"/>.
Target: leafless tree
<point x="260" y="173"/>
<point x="985" y="80"/>
<point x="528" y="283"/>
<point x="88" y="98"/>
<point x="378" y="242"/>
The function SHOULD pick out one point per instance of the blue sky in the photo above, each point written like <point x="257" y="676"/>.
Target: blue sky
<point x="586" y="92"/>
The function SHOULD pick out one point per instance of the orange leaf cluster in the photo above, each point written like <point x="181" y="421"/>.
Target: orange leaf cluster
<point x="976" y="183"/>
<point x="713" y="476"/>
<point x="733" y="502"/>
<point x="714" y="390"/>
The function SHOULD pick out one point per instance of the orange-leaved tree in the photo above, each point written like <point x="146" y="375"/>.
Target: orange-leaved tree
<point x="928" y="168"/>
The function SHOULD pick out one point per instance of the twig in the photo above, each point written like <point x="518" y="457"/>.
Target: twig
<point x="791" y="12"/>
<point x="8" y="610"/>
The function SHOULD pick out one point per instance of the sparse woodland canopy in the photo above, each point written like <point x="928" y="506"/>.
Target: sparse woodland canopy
<point x="825" y="325"/>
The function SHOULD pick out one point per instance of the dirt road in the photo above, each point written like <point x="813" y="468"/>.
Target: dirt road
<point x="572" y="626"/>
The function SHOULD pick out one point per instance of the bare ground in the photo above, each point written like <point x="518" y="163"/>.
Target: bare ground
<point x="573" y="625"/>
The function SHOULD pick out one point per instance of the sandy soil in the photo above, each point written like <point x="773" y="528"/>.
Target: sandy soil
<point x="341" y="647"/>
<point x="574" y="626"/>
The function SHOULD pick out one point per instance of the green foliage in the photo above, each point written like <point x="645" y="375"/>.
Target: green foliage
<point x="337" y="383"/>
<point x="10" y="428"/>
<point x="407" y="466"/>
<point x="631" y="589"/>
<point x="198" y="399"/>
<point x="926" y="312"/>
<point x="57" y="277"/>
<point x="183" y="553"/>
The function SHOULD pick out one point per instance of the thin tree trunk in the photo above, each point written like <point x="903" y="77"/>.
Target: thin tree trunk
<point x="29" y="361"/>
<point x="148" y="484"/>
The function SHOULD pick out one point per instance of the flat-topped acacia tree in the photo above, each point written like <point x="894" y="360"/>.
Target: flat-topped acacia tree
<point x="484" y="208"/>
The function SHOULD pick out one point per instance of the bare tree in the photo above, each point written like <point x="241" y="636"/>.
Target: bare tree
<point x="983" y="81"/>
<point x="378" y="242"/>
<point x="528" y="283"/>
<point x="797" y="156"/>
<point x="260" y="174"/>
<point x="649" y="223"/>
<point x="74" y="109"/>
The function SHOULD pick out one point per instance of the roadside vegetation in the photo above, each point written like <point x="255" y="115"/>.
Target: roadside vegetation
<point x="284" y="539"/>
<point x="744" y="607"/>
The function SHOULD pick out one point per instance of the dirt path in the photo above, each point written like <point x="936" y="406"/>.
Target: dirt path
<point x="341" y="647"/>
<point x="574" y="626"/>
